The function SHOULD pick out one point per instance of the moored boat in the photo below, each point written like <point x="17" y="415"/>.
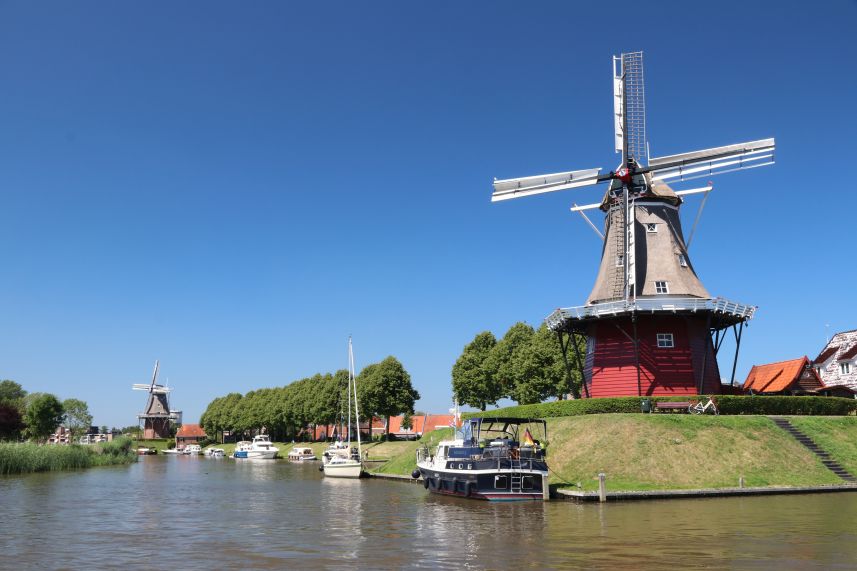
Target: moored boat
<point x="193" y="449"/>
<point x="145" y="451"/>
<point x="490" y="459"/>
<point x="260" y="448"/>
<point x="215" y="453"/>
<point x="300" y="454"/>
<point x="346" y="462"/>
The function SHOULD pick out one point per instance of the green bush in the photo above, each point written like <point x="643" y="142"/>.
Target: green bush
<point x="759" y="405"/>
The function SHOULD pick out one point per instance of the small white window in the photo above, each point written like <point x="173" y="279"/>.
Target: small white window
<point x="682" y="260"/>
<point x="620" y="260"/>
<point x="651" y="227"/>
<point x="662" y="287"/>
<point x="844" y="368"/>
<point x="665" y="340"/>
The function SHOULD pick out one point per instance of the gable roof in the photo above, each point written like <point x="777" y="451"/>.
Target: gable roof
<point x="849" y="354"/>
<point x="826" y="353"/>
<point x="775" y="377"/>
<point x="190" y="431"/>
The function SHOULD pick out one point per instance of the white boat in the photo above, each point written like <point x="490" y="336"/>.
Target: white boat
<point x="215" y="453"/>
<point x="193" y="449"/>
<point x="172" y="451"/>
<point x="338" y="448"/>
<point x="300" y="454"/>
<point x="260" y="449"/>
<point x="347" y="462"/>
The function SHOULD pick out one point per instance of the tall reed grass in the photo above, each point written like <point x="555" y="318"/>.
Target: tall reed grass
<point x="20" y="458"/>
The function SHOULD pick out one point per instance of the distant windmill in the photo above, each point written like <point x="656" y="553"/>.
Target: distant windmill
<point x="650" y="325"/>
<point x="157" y="416"/>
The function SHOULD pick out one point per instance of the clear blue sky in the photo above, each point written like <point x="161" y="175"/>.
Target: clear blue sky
<point x="234" y="188"/>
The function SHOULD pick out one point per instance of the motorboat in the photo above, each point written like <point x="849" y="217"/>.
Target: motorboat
<point x="193" y="450"/>
<point x="337" y="448"/>
<point x="144" y="451"/>
<point x="241" y="449"/>
<point x="300" y="454"/>
<point x="490" y="459"/>
<point x="344" y="466"/>
<point x="260" y="448"/>
<point x="215" y="453"/>
<point x="173" y="451"/>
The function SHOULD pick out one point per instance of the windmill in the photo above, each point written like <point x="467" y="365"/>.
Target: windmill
<point x="157" y="415"/>
<point x="651" y="327"/>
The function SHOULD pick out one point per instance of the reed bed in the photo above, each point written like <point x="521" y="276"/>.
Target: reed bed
<point x="21" y="458"/>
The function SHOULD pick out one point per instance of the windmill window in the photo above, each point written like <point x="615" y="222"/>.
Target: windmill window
<point x="651" y="227"/>
<point x="620" y="260"/>
<point x="682" y="260"/>
<point x="844" y="368"/>
<point x="662" y="287"/>
<point x="665" y="340"/>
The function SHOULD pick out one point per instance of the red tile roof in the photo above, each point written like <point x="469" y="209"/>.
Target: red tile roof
<point x="775" y="377"/>
<point x="826" y="354"/>
<point x="190" y="431"/>
<point x="849" y="354"/>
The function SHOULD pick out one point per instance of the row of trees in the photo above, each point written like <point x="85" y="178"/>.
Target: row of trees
<point x="526" y="365"/>
<point x="383" y="389"/>
<point x="38" y="415"/>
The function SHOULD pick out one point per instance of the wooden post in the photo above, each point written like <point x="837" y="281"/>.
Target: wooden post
<point x="741" y="482"/>
<point x="546" y="491"/>
<point x="602" y="487"/>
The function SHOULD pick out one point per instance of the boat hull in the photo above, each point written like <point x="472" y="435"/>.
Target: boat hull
<point x="490" y="485"/>
<point x="343" y="469"/>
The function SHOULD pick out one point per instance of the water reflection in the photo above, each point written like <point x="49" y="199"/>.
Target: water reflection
<point x="198" y="513"/>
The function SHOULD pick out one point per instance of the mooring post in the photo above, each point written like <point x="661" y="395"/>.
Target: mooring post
<point x="741" y="482"/>
<point x="602" y="487"/>
<point x="546" y="491"/>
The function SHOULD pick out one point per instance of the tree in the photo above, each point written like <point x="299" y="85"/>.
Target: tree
<point x="77" y="418"/>
<point x="43" y="415"/>
<point x="11" y="422"/>
<point x="385" y="389"/>
<point x="537" y="369"/>
<point x="501" y="357"/>
<point x="11" y="391"/>
<point x="474" y="383"/>
<point x="407" y="421"/>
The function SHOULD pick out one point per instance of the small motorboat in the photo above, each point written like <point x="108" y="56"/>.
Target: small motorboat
<point x="260" y="449"/>
<point x="300" y="454"/>
<point x="145" y="451"/>
<point x="193" y="449"/>
<point x="174" y="451"/>
<point x="215" y="453"/>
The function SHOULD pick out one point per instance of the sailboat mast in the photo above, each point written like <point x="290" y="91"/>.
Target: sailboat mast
<point x="348" y="390"/>
<point x="354" y="384"/>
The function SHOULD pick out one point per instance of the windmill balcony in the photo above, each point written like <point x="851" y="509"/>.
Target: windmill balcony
<point x="724" y="312"/>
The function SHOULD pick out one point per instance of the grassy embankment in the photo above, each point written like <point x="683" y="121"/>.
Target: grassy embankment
<point x="20" y="458"/>
<point x="672" y="451"/>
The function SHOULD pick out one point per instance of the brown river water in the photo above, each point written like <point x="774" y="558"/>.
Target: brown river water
<point x="195" y="513"/>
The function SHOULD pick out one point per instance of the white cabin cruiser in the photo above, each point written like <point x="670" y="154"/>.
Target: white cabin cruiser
<point x="300" y="454"/>
<point x="260" y="449"/>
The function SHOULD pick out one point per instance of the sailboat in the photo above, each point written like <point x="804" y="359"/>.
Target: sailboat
<point x="346" y="462"/>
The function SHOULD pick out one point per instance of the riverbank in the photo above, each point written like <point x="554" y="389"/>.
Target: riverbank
<point x="652" y="452"/>
<point x="22" y="458"/>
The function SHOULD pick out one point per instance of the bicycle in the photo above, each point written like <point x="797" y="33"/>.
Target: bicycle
<point x="699" y="408"/>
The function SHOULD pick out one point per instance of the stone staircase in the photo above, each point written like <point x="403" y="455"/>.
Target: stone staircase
<point x="824" y="456"/>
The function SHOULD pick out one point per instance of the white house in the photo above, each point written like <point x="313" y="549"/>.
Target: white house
<point x="837" y="362"/>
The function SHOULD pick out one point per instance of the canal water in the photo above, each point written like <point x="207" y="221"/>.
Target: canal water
<point x="198" y="513"/>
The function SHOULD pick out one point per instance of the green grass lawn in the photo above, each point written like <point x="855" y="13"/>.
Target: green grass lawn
<point x="666" y="451"/>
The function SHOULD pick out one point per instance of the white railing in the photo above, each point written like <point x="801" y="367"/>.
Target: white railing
<point x="668" y="305"/>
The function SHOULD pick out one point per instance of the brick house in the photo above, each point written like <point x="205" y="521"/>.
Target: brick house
<point x="189" y="434"/>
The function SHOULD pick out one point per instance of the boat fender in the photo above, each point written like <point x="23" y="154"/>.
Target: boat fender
<point x="321" y="468"/>
<point x="433" y="484"/>
<point x="415" y="474"/>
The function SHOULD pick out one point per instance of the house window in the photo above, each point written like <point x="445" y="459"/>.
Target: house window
<point x="651" y="227"/>
<point x="662" y="287"/>
<point x="620" y="260"/>
<point x="682" y="260"/>
<point x="665" y="340"/>
<point x="844" y="368"/>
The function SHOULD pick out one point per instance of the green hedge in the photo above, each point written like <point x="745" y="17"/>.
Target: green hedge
<point x="761" y="405"/>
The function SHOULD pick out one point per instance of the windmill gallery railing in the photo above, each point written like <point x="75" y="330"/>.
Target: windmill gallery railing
<point x="737" y="311"/>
